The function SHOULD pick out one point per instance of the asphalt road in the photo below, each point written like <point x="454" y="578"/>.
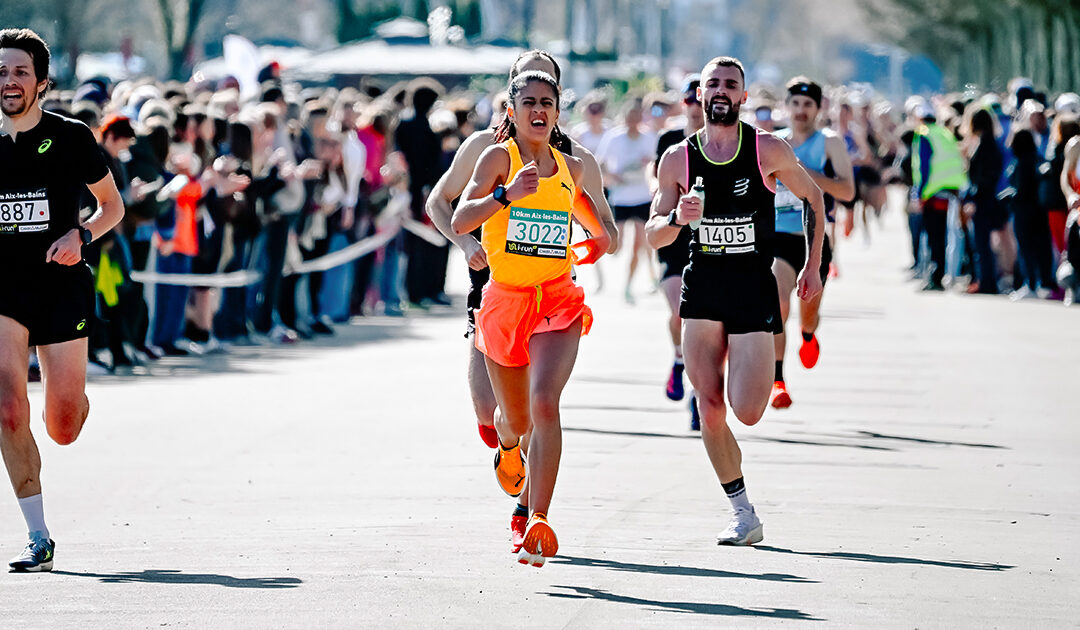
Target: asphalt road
<point x="926" y="476"/>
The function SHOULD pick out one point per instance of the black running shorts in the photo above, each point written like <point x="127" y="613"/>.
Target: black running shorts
<point x="54" y="302"/>
<point x="744" y="303"/>
<point x="791" y="248"/>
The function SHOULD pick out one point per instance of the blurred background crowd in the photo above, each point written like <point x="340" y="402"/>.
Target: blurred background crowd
<point x="276" y="190"/>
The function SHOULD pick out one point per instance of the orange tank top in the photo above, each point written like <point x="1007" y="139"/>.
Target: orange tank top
<point x="527" y="242"/>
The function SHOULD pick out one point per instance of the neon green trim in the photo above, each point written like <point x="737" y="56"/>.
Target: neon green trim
<point x="738" y="148"/>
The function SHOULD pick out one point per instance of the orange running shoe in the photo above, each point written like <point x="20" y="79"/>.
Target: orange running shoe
<point x="779" y="399"/>
<point x="488" y="435"/>
<point x="511" y="469"/>
<point x="518" y="525"/>
<point x="540" y="542"/>
<point x="809" y="352"/>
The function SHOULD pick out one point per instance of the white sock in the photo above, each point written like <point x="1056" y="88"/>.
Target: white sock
<point x="736" y="493"/>
<point x="34" y="513"/>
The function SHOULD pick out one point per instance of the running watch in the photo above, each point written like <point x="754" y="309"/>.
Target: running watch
<point x="500" y="195"/>
<point x="85" y="235"/>
<point x="673" y="219"/>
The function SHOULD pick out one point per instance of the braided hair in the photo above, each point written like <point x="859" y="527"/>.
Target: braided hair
<point x="506" y="128"/>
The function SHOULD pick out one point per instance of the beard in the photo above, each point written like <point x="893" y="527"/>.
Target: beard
<point x="728" y="118"/>
<point x="16" y="108"/>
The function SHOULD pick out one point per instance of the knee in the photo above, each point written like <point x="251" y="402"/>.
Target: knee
<point x="713" y="411"/>
<point x="517" y="420"/>
<point x="14" y="413"/>
<point x="748" y="414"/>
<point x="545" y="410"/>
<point x="64" y="421"/>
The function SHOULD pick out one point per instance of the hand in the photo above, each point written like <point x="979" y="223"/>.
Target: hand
<point x="525" y="182"/>
<point x="689" y="209"/>
<point x="809" y="282"/>
<point x="167" y="247"/>
<point x="309" y="169"/>
<point x="348" y="217"/>
<point x="593" y="252"/>
<point x="914" y="207"/>
<point x="67" y="250"/>
<point x="1074" y="202"/>
<point x="474" y="253"/>
<point x="968" y="210"/>
<point x="233" y="184"/>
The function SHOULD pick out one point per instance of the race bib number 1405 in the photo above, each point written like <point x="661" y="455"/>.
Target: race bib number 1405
<point x="727" y="235"/>
<point x="24" y="211"/>
<point x="542" y="233"/>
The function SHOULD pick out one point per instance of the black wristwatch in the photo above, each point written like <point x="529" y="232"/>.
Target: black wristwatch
<point x="85" y="235"/>
<point x="500" y="195"/>
<point x="673" y="219"/>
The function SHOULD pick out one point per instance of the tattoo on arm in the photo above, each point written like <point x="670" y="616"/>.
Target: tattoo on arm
<point x="809" y="222"/>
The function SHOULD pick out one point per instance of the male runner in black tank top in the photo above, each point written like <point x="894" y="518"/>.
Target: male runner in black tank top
<point x="730" y="307"/>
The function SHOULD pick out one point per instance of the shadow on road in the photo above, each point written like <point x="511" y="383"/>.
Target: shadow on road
<point x="626" y="408"/>
<point x="632" y="567"/>
<point x="882" y="436"/>
<point x="583" y="592"/>
<point x="697" y="436"/>
<point x="174" y="576"/>
<point x="867" y="557"/>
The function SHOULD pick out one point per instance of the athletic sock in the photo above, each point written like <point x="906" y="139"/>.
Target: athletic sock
<point x="521" y="510"/>
<point x="779" y="371"/>
<point x="736" y="493"/>
<point x="678" y="355"/>
<point x="34" y="513"/>
<point x="807" y="337"/>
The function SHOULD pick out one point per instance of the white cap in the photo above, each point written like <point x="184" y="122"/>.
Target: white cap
<point x="1068" y="102"/>
<point x="924" y="110"/>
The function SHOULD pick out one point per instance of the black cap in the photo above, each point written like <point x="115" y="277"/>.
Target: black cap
<point x="805" y="88"/>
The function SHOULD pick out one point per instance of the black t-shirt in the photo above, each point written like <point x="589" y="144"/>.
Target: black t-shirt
<point x="667" y="140"/>
<point x="44" y="171"/>
<point x="677" y="252"/>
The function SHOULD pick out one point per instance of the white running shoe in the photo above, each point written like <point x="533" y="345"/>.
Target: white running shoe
<point x="744" y="529"/>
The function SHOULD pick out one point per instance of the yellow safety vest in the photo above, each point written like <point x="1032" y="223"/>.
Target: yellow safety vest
<point x="946" y="163"/>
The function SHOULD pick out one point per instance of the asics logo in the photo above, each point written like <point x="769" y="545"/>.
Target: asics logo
<point x="44" y="146"/>
<point x="742" y="186"/>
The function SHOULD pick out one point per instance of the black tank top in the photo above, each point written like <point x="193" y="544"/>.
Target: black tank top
<point x="739" y="223"/>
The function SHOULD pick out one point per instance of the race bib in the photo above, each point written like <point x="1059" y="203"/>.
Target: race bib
<point x="542" y="233"/>
<point x="727" y="235"/>
<point x="24" y="211"/>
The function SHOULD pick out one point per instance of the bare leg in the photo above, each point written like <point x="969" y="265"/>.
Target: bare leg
<point x="672" y="288"/>
<point x="483" y="398"/>
<point x="553" y="355"/>
<point x="17" y="444"/>
<point x="63" y="374"/>
<point x="750" y="369"/>
<point x="785" y="284"/>
<point x="706" y="346"/>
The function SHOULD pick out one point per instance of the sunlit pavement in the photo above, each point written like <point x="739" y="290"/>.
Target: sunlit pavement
<point x="926" y="476"/>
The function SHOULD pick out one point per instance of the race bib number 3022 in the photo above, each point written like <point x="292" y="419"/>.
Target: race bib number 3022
<point x="727" y="235"/>
<point x="24" y="211"/>
<point x="542" y="233"/>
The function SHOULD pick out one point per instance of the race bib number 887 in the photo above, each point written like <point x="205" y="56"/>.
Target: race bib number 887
<point x="542" y="233"/>
<point x="727" y="235"/>
<point x="24" y="211"/>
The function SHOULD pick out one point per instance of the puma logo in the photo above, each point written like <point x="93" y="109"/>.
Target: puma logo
<point x="563" y="184"/>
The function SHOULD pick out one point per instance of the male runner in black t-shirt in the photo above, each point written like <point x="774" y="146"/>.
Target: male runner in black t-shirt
<point x="47" y="297"/>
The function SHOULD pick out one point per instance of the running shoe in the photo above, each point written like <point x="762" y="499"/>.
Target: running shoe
<point x="518" y="525"/>
<point x="488" y="435"/>
<point x="779" y="399"/>
<point x="511" y="469"/>
<point x="540" y="542"/>
<point x="37" y="556"/>
<point x="809" y="352"/>
<point x="674" y="383"/>
<point x="695" y="417"/>
<point x="744" y="529"/>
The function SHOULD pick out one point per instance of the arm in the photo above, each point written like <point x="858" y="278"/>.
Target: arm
<point x="670" y="197"/>
<point x="926" y="153"/>
<point x="842" y="185"/>
<point x="67" y="250"/>
<point x="477" y="203"/>
<point x="588" y="214"/>
<point x="779" y="161"/>
<point x="592" y="182"/>
<point x="1072" y="155"/>
<point x="450" y="187"/>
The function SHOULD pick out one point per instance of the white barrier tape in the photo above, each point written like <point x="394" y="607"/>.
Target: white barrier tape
<point x="248" y="278"/>
<point x="425" y="232"/>
<point x="342" y="256"/>
<point x="211" y="280"/>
